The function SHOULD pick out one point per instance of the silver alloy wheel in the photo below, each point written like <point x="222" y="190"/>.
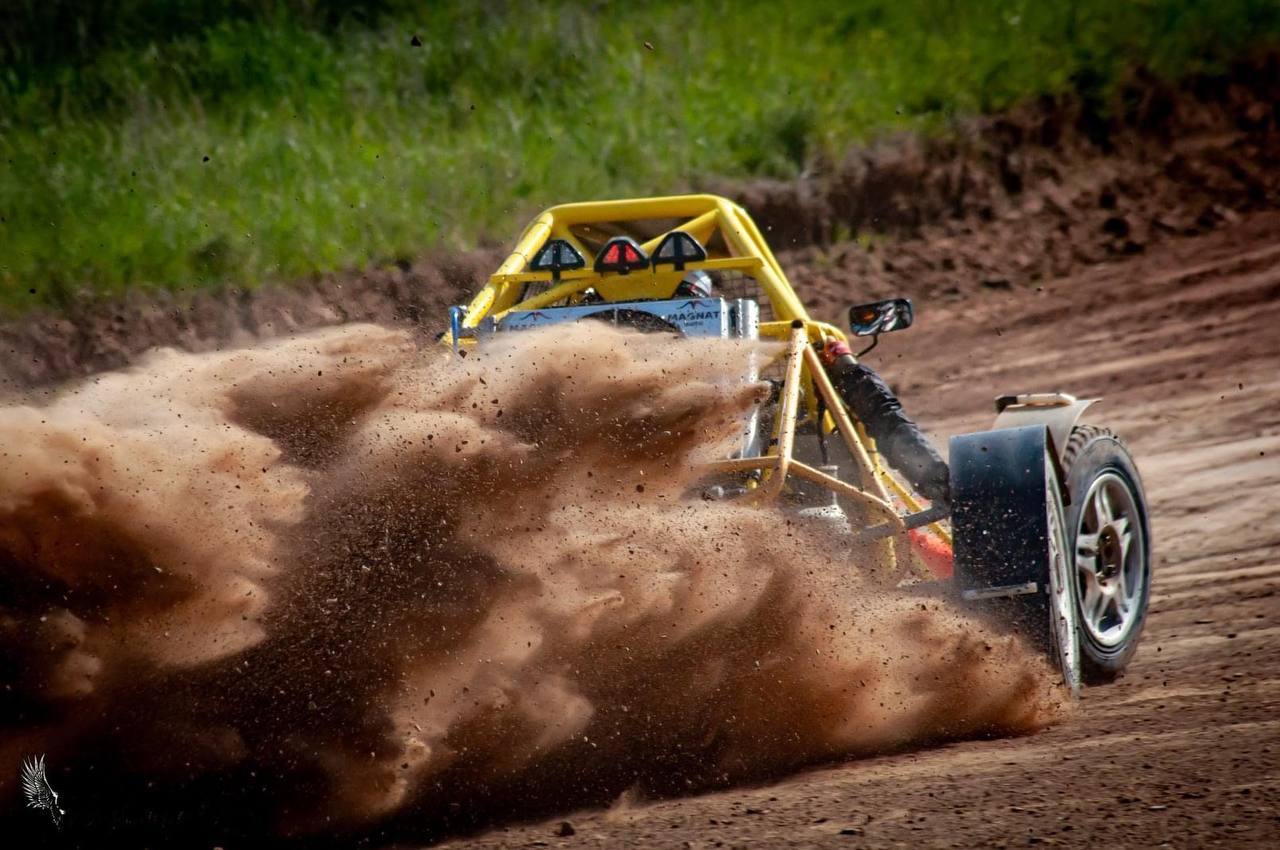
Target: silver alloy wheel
<point x="1110" y="560"/>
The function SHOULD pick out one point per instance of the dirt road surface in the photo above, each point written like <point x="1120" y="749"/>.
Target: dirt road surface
<point x="1184" y="751"/>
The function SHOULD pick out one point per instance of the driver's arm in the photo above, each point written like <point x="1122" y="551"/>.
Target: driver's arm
<point x="897" y="437"/>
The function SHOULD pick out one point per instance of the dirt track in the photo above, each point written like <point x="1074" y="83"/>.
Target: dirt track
<point x="1185" y="750"/>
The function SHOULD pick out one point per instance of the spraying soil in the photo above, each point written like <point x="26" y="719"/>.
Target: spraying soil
<point x="341" y="583"/>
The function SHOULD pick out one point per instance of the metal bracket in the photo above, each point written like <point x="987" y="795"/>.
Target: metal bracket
<point x="919" y="519"/>
<point x="1058" y="412"/>
<point x="1000" y="592"/>
<point x="455" y="325"/>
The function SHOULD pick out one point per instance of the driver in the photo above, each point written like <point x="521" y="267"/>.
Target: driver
<point x="897" y="436"/>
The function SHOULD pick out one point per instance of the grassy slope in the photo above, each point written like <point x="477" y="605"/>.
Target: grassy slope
<point x="337" y="143"/>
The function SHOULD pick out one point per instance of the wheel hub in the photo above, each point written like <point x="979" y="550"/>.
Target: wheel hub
<point x="1110" y="553"/>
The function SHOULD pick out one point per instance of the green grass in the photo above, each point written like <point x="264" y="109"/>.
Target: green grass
<point x="248" y="142"/>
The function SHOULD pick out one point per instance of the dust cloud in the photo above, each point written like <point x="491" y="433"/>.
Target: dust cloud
<point x="344" y="582"/>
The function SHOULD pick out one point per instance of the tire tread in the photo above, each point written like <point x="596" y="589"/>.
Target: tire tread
<point x="1081" y="436"/>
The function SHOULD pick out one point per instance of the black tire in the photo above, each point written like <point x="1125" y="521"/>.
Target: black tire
<point x="1113" y="585"/>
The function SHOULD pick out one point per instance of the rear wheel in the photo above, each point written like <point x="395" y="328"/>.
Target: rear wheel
<point x="1110" y="537"/>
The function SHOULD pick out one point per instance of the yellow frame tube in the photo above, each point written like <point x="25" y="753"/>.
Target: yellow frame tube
<point x="697" y="211"/>
<point x="835" y="406"/>
<point x="699" y="228"/>
<point x="787" y="408"/>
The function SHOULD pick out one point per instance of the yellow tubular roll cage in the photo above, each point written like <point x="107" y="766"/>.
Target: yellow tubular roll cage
<point x="806" y="380"/>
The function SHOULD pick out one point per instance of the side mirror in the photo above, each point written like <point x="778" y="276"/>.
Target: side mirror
<point x="879" y="317"/>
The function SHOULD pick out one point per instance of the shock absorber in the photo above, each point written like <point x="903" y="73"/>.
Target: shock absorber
<point x="897" y="436"/>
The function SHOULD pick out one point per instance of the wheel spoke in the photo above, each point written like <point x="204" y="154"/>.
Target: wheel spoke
<point x="1101" y="602"/>
<point x="1126" y="541"/>
<point x="1088" y="570"/>
<point x="1090" y="516"/>
<point x="1102" y="503"/>
<point x="1122" y="589"/>
<point x="1090" y="600"/>
<point x="1093" y="597"/>
<point x="1087" y="547"/>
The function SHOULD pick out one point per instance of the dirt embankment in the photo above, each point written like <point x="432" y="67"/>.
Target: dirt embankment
<point x="1039" y="194"/>
<point x="1009" y="201"/>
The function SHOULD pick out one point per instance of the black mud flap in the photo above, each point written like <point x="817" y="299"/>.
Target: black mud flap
<point x="1011" y="554"/>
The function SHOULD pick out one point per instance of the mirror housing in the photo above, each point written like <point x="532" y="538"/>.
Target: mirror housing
<point x="877" y="317"/>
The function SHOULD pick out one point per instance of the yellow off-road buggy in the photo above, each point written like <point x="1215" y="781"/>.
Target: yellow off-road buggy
<point x="1047" y="518"/>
